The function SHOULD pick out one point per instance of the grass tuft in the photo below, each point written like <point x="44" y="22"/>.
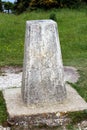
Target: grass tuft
<point x="3" y="111"/>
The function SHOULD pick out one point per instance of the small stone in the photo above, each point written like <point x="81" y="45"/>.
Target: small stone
<point x="16" y="124"/>
<point x="8" y="128"/>
<point x="84" y="123"/>
<point x="85" y="128"/>
<point x="79" y="126"/>
<point x="1" y="128"/>
<point x="58" y="114"/>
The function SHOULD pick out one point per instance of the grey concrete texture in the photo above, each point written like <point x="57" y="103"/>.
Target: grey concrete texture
<point x="16" y="107"/>
<point x="12" y="76"/>
<point x="17" y="110"/>
<point x="74" y="101"/>
<point x="43" y="74"/>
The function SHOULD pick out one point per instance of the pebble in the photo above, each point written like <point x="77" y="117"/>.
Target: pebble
<point x="4" y="128"/>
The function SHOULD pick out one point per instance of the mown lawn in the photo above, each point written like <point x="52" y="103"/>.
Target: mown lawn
<point x="72" y="26"/>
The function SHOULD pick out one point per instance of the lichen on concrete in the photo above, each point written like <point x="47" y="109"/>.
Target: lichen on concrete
<point x="43" y="74"/>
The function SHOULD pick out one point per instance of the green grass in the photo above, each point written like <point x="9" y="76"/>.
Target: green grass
<point x="72" y="27"/>
<point x="72" y="30"/>
<point x="3" y="112"/>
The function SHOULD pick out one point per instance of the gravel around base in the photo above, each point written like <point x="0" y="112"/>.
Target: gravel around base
<point x="11" y="77"/>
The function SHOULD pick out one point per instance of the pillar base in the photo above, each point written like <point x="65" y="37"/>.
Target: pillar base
<point x="48" y="114"/>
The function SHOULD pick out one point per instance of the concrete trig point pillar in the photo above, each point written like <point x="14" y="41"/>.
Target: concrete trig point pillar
<point x="42" y="80"/>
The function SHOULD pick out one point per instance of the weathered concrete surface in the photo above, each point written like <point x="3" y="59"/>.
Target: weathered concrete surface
<point x="18" y="112"/>
<point x="12" y="76"/>
<point x="43" y="75"/>
<point x="16" y="107"/>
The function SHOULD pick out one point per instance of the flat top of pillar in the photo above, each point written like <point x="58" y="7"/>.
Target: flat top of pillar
<point x="40" y="21"/>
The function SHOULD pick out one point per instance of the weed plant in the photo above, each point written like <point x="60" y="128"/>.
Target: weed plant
<point x="53" y="17"/>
